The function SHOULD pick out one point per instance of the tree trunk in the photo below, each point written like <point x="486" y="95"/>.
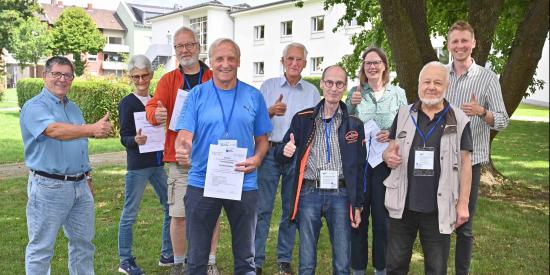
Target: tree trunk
<point x="483" y="15"/>
<point x="406" y="28"/>
<point x="525" y="53"/>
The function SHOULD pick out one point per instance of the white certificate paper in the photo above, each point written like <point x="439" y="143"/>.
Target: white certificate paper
<point x="178" y="105"/>
<point x="155" y="134"/>
<point x="375" y="150"/>
<point x="222" y="181"/>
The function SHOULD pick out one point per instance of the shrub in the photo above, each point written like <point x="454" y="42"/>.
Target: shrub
<point x="94" y="97"/>
<point x="315" y="80"/>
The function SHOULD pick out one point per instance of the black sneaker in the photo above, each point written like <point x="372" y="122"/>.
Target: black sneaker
<point x="130" y="267"/>
<point x="285" y="268"/>
<point x="166" y="261"/>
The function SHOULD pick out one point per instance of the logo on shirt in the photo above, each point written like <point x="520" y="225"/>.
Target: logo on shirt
<point x="352" y="136"/>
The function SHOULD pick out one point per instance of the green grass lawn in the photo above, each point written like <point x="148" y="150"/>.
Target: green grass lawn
<point x="10" y="99"/>
<point x="527" y="110"/>
<point x="11" y="143"/>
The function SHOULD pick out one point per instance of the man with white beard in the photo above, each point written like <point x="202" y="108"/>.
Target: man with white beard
<point x="428" y="189"/>
<point x="190" y="73"/>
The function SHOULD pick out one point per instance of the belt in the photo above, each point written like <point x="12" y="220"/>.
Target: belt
<point x="317" y="183"/>
<point x="60" y="177"/>
<point x="274" y="143"/>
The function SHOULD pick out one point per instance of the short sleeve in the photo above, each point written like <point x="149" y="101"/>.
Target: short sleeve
<point x="36" y="117"/>
<point x="466" y="143"/>
<point x="262" y="123"/>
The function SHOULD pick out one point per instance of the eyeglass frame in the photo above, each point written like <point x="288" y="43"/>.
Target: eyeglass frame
<point x="188" y="46"/>
<point x="144" y="77"/>
<point x="329" y="84"/>
<point x="68" y="77"/>
<point x="376" y="63"/>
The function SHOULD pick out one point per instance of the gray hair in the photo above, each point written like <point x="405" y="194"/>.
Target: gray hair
<point x="220" y="41"/>
<point x="186" y="29"/>
<point x="295" y="45"/>
<point x="59" y="60"/>
<point x="140" y="61"/>
<point x="435" y="64"/>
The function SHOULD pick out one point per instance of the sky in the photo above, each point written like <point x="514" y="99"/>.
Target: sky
<point x="113" y="4"/>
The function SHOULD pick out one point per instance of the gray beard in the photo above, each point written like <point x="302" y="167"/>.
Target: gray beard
<point x="431" y="102"/>
<point x="189" y="62"/>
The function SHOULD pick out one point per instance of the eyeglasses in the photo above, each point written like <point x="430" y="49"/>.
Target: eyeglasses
<point x="58" y="75"/>
<point x="330" y="83"/>
<point x="144" y="77"/>
<point x="187" y="46"/>
<point x="376" y="63"/>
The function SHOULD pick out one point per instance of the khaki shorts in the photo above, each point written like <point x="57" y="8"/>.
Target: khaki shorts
<point x="177" y="186"/>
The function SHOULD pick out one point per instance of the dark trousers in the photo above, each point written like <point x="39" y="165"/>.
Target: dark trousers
<point x="374" y="207"/>
<point x="401" y="236"/>
<point x="464" y="234"/>
<point x="201" y="216"/>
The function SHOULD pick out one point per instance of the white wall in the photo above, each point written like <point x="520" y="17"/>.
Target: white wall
<point x="331" y="46"/>
<point x="168" y="25"/>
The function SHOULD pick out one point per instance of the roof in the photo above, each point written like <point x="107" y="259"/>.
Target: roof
<point x="265" y="6"/>
<point x="104" y="19"/>
<point x="212" y="3"/>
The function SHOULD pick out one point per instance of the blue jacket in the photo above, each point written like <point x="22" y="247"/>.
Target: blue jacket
<point x="351" y="138"/>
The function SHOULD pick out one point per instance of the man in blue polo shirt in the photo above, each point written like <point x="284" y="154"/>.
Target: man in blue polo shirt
<point x="60" y="183"/>
<point x="222" y="110"/>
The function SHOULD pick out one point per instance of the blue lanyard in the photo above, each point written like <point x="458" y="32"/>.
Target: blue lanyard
<point x="427" y="136"/>
<point x="366" y="167"/>
<point x="187" y="81"/>
<point x="226" y="123"/>
<point x="327" y="132"/>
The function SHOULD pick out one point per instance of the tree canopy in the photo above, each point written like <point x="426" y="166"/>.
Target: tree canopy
<point x="74" y="33"/>
<point x="31" y="41"/>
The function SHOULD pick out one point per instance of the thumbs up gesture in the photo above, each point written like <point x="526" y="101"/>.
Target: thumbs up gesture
<point x="139" y="138"/>
<point x="290" y="147"/>
<point x="183" y="153"/>
<point x="391" y="155"/>
<point x="472" y="108"/>
<point x="161" y="113"/>
<point x="356" y="96"/>
<point x="278" y="108"/>
<point x="102" y="128"/>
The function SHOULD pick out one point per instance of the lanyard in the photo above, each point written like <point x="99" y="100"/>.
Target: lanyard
<point x="366" y="167"/>
<point x="187" y="81"/>
<point x="226" y="123"/>
<point x="327" y="132"/>
<point x="427" y="136"/>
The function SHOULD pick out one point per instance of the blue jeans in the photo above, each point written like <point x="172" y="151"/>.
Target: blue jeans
<point x="136" y="181"/>
<point x="53" y="204"/>
<point x="374" y="207"/>
<point x="268" y="179"/>
<point x="201" y="216"/>
<point x="335" y="207"/>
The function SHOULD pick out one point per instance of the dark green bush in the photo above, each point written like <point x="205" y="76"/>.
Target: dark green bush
<point x="94" y="97"/>
<point x="315" y="80"/>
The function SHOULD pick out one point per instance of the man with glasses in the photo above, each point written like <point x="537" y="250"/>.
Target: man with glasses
<point x="60" y="189"/>
<point x="319" y="140"/>
<point x="190" y="72"/>
<point x="142" y="167"/>
<point x="285" y="95"/>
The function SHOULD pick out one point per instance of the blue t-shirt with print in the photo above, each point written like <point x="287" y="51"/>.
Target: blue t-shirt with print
<point x="202" y="116"/>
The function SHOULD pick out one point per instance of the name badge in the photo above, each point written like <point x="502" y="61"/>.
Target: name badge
<point x="227" y="142"/>
<point x="329" y="179"/>
<point x="424" y="161"/>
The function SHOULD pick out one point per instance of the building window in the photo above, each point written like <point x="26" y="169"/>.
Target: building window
<point x="92" y="57"/>
<point x="200" y="26"/>
<point x="258" y="68"/>
<point x="115" y="57"/>
<point x="259" y="32"/>
<point x="316" y="63"/>
<point x="318" y="23"/>
<point x="352" y="23"/>
<point x="286" y="28"/>
<point x="169" y="38"/>
<point x="114" y="40"/>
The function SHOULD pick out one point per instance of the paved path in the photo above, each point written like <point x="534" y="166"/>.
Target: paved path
<point x="20" y="170"/>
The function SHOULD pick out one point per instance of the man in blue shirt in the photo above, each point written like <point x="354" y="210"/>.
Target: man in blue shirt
<point x="233" y="112"/>
<point x="59" y="188"/>
<point x="285" y="95"/>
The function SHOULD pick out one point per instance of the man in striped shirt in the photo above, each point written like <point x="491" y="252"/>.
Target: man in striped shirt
<point x="477" y="91"/>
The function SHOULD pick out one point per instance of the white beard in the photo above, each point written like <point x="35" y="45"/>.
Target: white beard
<point x="431" y="102"/>
<point x="189" y="62"/>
